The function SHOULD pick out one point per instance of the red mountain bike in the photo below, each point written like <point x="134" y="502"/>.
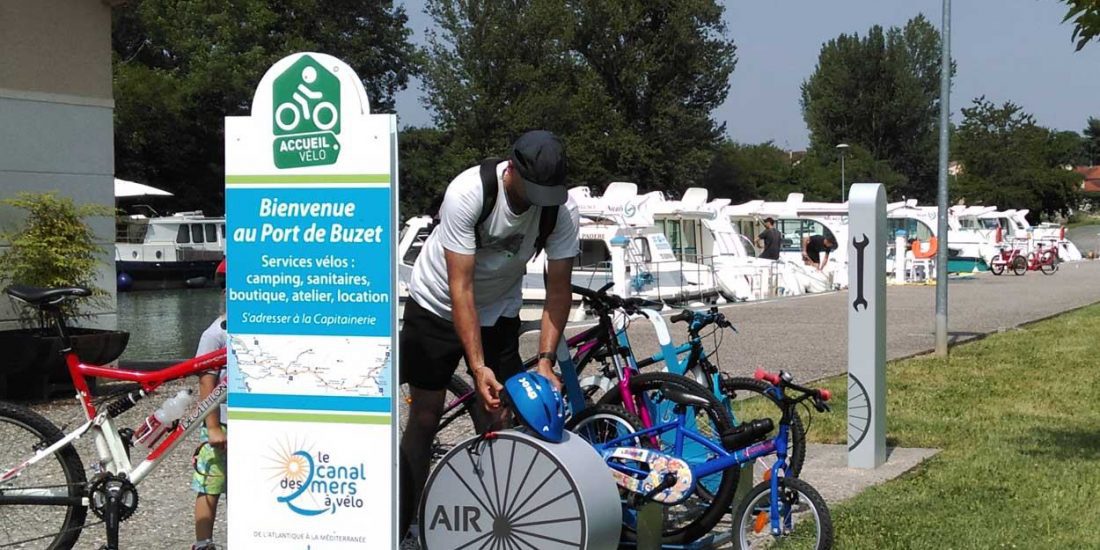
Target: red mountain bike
<point x="44" y="492"/>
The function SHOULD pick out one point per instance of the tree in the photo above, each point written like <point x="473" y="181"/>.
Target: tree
<point x="746" y="172"/>
<point x="628" y="84"/>
<point x="1085" y="15"/>
<point x="181" y="66"/>
<point x="818" y="174"/>
<point x="1010" y="161"/>
<point x="1092" y="140"/>
<point x="430" y="159"/>
<point x="881" y="92"/>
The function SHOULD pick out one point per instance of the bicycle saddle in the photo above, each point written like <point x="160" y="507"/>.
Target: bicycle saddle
<point x="44" y="296"/>
<point x="681" y="397"/>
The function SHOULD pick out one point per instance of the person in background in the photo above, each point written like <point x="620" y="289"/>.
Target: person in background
<point x="813" y="246"/>
<point x="208" y="481"/>
<point x="769" y="240"/>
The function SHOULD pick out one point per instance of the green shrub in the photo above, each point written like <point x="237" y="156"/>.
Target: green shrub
<point x="54" y="247"/>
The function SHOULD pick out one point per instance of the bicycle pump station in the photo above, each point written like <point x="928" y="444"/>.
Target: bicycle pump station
<point x="867" y="325"/>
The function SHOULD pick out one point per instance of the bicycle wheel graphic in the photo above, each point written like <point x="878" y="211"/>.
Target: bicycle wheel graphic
<point x="516" y="491"/>
<point x="859" y="412"/>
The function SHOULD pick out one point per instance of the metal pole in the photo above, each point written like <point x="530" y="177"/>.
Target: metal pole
<point x="941" y="252"/>
<point x="842" y="175"/>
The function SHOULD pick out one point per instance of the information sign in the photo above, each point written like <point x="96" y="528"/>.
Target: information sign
<point x="311" y="198"/>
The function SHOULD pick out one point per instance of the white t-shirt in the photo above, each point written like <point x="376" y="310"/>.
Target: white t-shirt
<point x="213" y="339"/>
<point x="508" y="242"/>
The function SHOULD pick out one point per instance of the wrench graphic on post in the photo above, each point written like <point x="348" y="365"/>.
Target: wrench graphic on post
<point x="860" y="245"/>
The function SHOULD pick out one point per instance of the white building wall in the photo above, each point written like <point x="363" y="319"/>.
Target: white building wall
<point x="56" y="115"/>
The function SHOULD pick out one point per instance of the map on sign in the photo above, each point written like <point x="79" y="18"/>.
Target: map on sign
<point x="309" y="365"/>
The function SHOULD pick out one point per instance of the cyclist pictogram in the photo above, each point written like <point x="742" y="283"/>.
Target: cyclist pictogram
<point x="306" y="115"/>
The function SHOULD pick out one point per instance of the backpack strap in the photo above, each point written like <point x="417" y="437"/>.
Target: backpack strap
<point x="488" y="194"/>
<point x="548" y="218"/>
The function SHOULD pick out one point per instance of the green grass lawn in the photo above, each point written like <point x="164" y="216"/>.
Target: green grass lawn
<point x="1017" y="416"/>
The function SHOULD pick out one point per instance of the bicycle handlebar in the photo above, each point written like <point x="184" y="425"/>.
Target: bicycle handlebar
<point x="700" y="319"/>
<point x="783" y="380"/>
<point x="603" y="301"/>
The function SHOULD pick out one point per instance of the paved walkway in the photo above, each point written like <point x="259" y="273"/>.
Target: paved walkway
<point x="808" y="335"/>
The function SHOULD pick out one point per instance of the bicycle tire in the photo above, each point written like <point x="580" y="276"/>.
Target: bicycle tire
<point x="796" y="435"/>
<point x="23" y="432"/>
<point x="628" y="422"/>
<point x="746" y="517"/>
<point x="718" y="504"/>
<point x="1048" y="263"/>
<point x="1019" y="265"/>
<point x="996" y="267"/>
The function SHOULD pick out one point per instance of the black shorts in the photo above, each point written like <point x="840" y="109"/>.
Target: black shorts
<point x="430" y="348"/>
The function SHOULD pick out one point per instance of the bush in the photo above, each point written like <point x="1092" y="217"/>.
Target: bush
<point x="54" y="248"/>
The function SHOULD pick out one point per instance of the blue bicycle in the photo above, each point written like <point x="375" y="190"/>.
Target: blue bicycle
<point x="782" y="511"/>
<point x="692" y="360"/>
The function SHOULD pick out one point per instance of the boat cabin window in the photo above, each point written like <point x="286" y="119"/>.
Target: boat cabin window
<point x="417" y="245"/>
<point x="640" y="249"/>
<point x="750" y="247"/>
<point x="196" y="233"/>
<point x="914" y="229"/>
<point x="794" y="230"/>
<point x="594" y="256"/>
<point x="222" y="226"/>
<point x="183" y="235"/>
<point x="684" y="237"/>
<point x="211" y="232"/>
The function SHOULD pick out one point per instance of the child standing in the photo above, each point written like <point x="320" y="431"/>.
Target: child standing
<point x="208" y="481"/>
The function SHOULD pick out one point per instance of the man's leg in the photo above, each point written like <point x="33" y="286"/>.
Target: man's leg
<point x="425" y="410"/>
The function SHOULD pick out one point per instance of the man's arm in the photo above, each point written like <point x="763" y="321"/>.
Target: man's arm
<point x="823" y="262"/>
<point x="460" y="278"/>
<point x="559" y="298"/>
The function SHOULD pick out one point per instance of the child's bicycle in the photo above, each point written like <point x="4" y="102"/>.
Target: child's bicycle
<point x="44" y="492"/>
<point x="782" y="510"/>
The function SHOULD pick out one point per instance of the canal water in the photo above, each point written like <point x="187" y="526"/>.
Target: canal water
<point x="166" y="324"/>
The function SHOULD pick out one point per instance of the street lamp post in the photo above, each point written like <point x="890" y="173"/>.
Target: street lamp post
<point x="843" y="148"/>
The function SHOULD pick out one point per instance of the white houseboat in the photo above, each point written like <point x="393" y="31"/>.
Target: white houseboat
<point x="156" y="252"/>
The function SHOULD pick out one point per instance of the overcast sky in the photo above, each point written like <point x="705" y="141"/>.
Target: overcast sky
<point x="1016" y="50"/>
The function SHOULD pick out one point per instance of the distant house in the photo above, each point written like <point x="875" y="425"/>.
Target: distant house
<point x="1091" y="184"/>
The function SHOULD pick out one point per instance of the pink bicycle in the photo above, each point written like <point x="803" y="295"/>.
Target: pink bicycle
<point x="45" y="494"/>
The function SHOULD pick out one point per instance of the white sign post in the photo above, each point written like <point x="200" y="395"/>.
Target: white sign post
<point x="867" y="326"/>
<point x="311" y="194"/>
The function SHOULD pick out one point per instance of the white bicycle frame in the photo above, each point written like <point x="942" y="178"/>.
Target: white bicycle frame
<point x="112" y="456"/>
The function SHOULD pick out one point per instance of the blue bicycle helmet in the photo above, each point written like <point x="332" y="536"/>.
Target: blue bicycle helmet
<point x="537" y="405"/>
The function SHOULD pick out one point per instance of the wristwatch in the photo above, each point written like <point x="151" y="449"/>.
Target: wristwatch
<point x="552" y="356"/>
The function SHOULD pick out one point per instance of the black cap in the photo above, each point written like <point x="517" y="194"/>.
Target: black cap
<point x="539" y="159"/>
<point x="769" y="219"/>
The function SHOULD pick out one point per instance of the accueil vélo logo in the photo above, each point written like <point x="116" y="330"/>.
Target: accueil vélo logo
<point x="311" y="482"/>
<point x="306" y="115"/>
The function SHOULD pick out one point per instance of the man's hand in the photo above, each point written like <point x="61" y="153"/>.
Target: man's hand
<point x="215" y="436"/>
<point x="487" y="386"/>
<point x="546" y="368"/>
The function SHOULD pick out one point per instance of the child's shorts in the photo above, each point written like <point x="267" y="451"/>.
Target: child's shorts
<point x="209" y="476"/>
